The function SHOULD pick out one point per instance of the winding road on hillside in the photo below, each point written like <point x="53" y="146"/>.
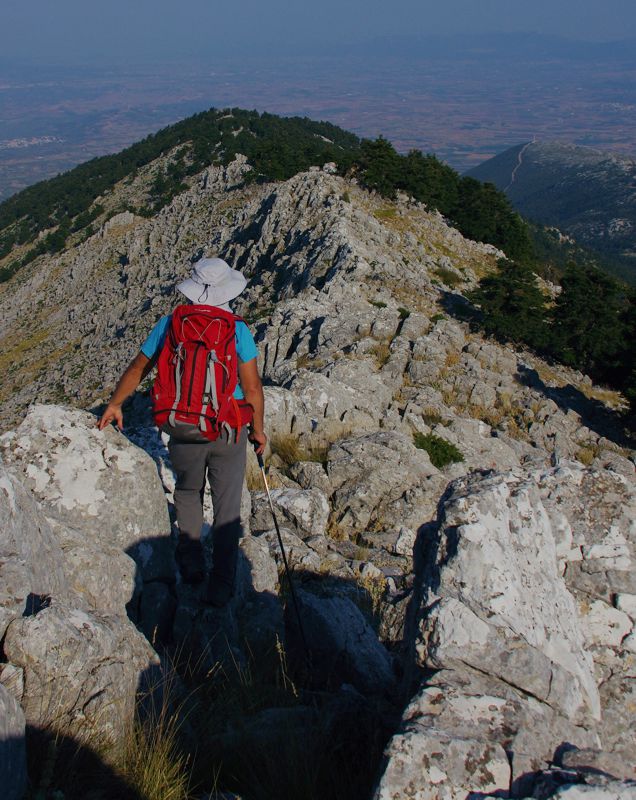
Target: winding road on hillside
<point x="519" y="163"/>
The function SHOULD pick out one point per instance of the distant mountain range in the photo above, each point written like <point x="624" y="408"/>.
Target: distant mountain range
<point x="586" y="193"/>
<point x="496" y="45"/>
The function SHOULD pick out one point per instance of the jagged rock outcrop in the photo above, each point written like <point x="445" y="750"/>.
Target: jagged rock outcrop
<point x="530" y="659"/>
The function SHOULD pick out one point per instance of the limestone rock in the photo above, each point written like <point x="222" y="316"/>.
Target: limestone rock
<point x="32" y="563"/>
<point x="371" y="471"/>
<point x="101" y="576"/>
<point x="88" y="479"/>
<point x="496" y="601"/>
<point x="263" y="574"/>
<point x="299" y="554"/>
<point x="426" y="764"/>
<point x="81" y="669"/>
<point x="343" y="647"/>
<point x="304" y="510"/>
<point x="493" y="712"/>
<point x="559" y="788"/>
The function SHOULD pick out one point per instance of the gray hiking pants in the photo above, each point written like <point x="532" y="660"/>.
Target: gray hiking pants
<point x="223" y="464"/>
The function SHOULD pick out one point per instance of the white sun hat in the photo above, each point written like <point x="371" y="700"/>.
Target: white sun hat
<point x="212" y="283"/>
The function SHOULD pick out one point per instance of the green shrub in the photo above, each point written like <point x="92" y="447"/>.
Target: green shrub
<point x="448" y="276"/>
<point x="440" y="451"/>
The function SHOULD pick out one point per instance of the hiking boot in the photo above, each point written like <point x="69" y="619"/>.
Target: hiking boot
<point x="218" y="592"/>
<point x="191" y="563"/>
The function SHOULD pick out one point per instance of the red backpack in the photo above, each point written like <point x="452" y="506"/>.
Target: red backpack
<point x="197" y="373"/>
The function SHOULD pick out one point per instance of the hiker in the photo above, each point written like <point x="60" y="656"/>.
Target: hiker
<point x="211" y="403"/>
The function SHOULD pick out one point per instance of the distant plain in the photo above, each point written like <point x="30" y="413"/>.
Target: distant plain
<point x="465" y="103"/>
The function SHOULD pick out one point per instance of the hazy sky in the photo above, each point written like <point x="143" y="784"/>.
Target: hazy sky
<point x="105" y="29"/>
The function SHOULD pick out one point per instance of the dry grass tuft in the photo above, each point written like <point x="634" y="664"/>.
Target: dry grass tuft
<point x="336" y="531"/>
<point x="587" y="453"/>
<point x="152" y="763"/>
<point x="288" y="448"/>
<point x="381" y="352"/>
<point x="452" y="359"/>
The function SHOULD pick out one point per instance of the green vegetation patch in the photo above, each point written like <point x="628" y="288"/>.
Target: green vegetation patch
<point x="448" y="276"/>
<point x="478" y="210"/>
<point x="440" y="451"/>
<point x="385" y="213"/>
<point x="591" y="326"/>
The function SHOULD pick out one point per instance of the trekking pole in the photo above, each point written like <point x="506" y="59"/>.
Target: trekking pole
<point x="261" y="464"/>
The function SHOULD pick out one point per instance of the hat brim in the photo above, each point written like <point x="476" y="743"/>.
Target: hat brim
<point x="224" y="291"/>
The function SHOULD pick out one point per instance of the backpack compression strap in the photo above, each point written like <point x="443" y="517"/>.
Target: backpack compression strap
<point x="209" y="392"/>
<point x="178" y="370"/>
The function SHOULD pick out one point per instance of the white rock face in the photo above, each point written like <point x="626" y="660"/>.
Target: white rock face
<point x="88" y="479"/>
<point x="604" y="625"/>
<point x="522" y="648"/>
<point x="306" y="510"/>
<point x="31" y="558"/>
<point x="73" y="658"/>
<point x="496" y="599"/>
<point x="427" y="764"/>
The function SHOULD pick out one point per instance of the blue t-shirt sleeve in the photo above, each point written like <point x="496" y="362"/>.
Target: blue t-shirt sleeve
<point x="246" y="348"/>
<point x="157" y="337"/>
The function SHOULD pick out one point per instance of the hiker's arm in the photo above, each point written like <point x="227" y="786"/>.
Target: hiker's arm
<point x="135" y="372"/>
<point x="253" y="391"/>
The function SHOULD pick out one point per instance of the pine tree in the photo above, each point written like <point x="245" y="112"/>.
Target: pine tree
<point x="512" y="305"/>
<point x="587" y="325"/>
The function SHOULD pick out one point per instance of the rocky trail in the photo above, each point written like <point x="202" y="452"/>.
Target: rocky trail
<point x="460" y="516"/>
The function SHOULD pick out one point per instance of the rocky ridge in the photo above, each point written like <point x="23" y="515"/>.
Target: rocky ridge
<point x="506" y="578"/>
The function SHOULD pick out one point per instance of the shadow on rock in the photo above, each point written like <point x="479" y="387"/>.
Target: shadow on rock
<point x="594" y="415"/>
<point x="59" y="765"/>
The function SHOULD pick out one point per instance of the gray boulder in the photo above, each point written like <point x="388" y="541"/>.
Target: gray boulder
<point x="101" y="577"/>
<point x="343" y="646"/>
<point x="487" y="712"/>
<point x="427" y="764"/>
<point x="32" y="562"/>
<point x="496" y="600"/>
<point x="90" y="480"/>
<point x="81" y="669"/>
<point x="304" y="510"/>
<point x="370" y="472"/>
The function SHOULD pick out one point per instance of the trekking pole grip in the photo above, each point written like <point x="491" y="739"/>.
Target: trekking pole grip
<point x="259" y="457"/>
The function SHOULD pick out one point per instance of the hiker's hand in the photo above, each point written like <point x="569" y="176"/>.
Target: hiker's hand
<point x="112" y="414"/>
<point x="259" y="440"/>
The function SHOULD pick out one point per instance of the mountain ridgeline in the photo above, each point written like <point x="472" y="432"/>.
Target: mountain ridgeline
<point x="589" y="327"/>
<point x="53" y="214"/>
<point x="585" y="193"/>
